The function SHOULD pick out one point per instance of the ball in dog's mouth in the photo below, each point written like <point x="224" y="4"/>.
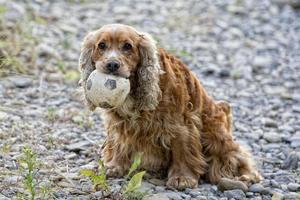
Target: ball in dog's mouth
<point x="106" y="90"/>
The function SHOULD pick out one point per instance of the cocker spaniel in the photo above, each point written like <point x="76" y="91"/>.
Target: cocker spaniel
<point x="167" y="116"/>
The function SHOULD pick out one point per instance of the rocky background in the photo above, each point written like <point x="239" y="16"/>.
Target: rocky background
<point x="244" y="51"/>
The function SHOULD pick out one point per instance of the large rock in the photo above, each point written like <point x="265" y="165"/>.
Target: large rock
<point x="229" y="184"/>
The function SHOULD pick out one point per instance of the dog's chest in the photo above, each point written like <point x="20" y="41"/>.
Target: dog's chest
<point x="143" y="135"/>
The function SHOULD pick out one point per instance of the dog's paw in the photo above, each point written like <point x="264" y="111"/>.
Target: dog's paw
<point x="182" y="182"/>
<point x="114" y="171"/>
<point x="250" y="178"/>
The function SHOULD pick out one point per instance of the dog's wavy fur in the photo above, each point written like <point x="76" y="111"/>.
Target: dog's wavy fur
<point x="170" y="119"/>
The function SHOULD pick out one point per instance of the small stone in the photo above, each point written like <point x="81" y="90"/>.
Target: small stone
<point x="194" y="193"/>
<point x="269" y="123"/>
<point x="296" y="109"/>
<point x="47" y="51"/>
<point x="236" y="194"/>
<point x="11" y="180"/>
<point x="3" y="116"/>
<point x="284" y="187"/>
<point x="78" y="119"/>
<point x="294" y="187"/>
<point x="272" y="137"/>
<point x="156" y="197"/>
<point x="212" y="198"/>
<point x="157" y="182"/>
<point x="55" y="77"/>
<point x="159" y="189"/>
<point x="146" y="187"/>
<point x="275" y="184"/>
<point x="277" y="196"/>
<point x="291" y="162"/>
<point x="258" y="188"/>
<point x="2" y="197"/>
<point x="173" y="195"/>
<point x="291" y="196"/>
<point x="79" y="146"/>
<point x="224" y="73"/>
<point x="98" y="194"/>
<point x="201" y="198"/>
<point x="262" y="61"/>
<point x="295" y="143"/>
<point x="229" y="184"/>
<point x="249" y="194"/>
<point x="21" y="82"/>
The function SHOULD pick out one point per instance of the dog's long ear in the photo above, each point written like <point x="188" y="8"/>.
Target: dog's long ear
<point x="148" y="91"/>
<point x="86" y="65"/>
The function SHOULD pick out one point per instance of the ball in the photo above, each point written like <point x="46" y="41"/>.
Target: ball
<point x="105" y="90"/>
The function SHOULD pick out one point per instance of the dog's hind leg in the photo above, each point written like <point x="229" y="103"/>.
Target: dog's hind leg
<point x="225" y="157"/>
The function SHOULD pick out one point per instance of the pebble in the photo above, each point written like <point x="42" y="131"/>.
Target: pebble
<point x="224" y="73"/>
<point x="156" y="197"/>
<point x="262" y="62"/>
<point x="291" y="196"/>
<point x="258" y="188"/>
<point x="146" y="187"/>
<point x="291" y="162"/>
<point x="3" y="116"/>
<point x="2" y="197"/>
<point x="157" y="182"/>
<point x="277" y="196"/>
<point x="173" y="195"/>
<point x="270" y="123"/>
<point x="236" y="194"/>
<point x="79" y="146"/>
<point x="294" y="187"/>
<point x="201" y="198"/>
<point x="295" y="143"/>
<point x="229" y="184"/>
<point x="21" y="82"/>
<point x="272" y="137"/>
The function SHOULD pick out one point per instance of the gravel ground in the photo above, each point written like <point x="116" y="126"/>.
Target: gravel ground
<point x="246" y="52"/>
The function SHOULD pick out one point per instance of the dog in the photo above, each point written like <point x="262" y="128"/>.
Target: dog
<point x="167" y="116"/>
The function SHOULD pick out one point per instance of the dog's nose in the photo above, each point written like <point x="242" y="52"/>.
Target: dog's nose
<point x="113" y="66"/>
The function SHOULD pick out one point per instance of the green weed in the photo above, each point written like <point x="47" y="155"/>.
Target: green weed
<point x="29" y="166"/>
<point x="52" y="115"/>
<point x="129" y="187"/>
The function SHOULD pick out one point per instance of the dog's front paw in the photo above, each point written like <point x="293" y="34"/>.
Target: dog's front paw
<point x="249" y="179"/>
<point x="182" y="182"/>
<point x="114" y="171"/>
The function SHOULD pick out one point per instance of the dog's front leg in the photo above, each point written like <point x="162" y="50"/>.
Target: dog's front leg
<point x="188" y="163"/>
<point x="116" y="158"/>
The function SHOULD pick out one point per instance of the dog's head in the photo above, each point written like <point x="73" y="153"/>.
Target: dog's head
<point x="121" y="50"/>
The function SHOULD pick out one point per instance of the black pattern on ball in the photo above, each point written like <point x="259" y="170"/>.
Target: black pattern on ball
<point x="111" y="84"/>
<point x="89" y="85"/>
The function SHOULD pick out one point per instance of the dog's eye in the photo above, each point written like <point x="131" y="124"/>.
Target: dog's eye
<point x="127" y="47"/>
<point x="102" y="45"/>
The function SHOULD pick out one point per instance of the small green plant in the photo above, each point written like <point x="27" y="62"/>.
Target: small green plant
<point x="29" y="166"/>
<point x="5" y="149"/>
<point x="98" y="178"/>
<point x="52" y="115"/>
<point x="129" y="186"/>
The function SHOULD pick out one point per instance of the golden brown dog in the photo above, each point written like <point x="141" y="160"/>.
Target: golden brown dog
<point x="168" y="116"/>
